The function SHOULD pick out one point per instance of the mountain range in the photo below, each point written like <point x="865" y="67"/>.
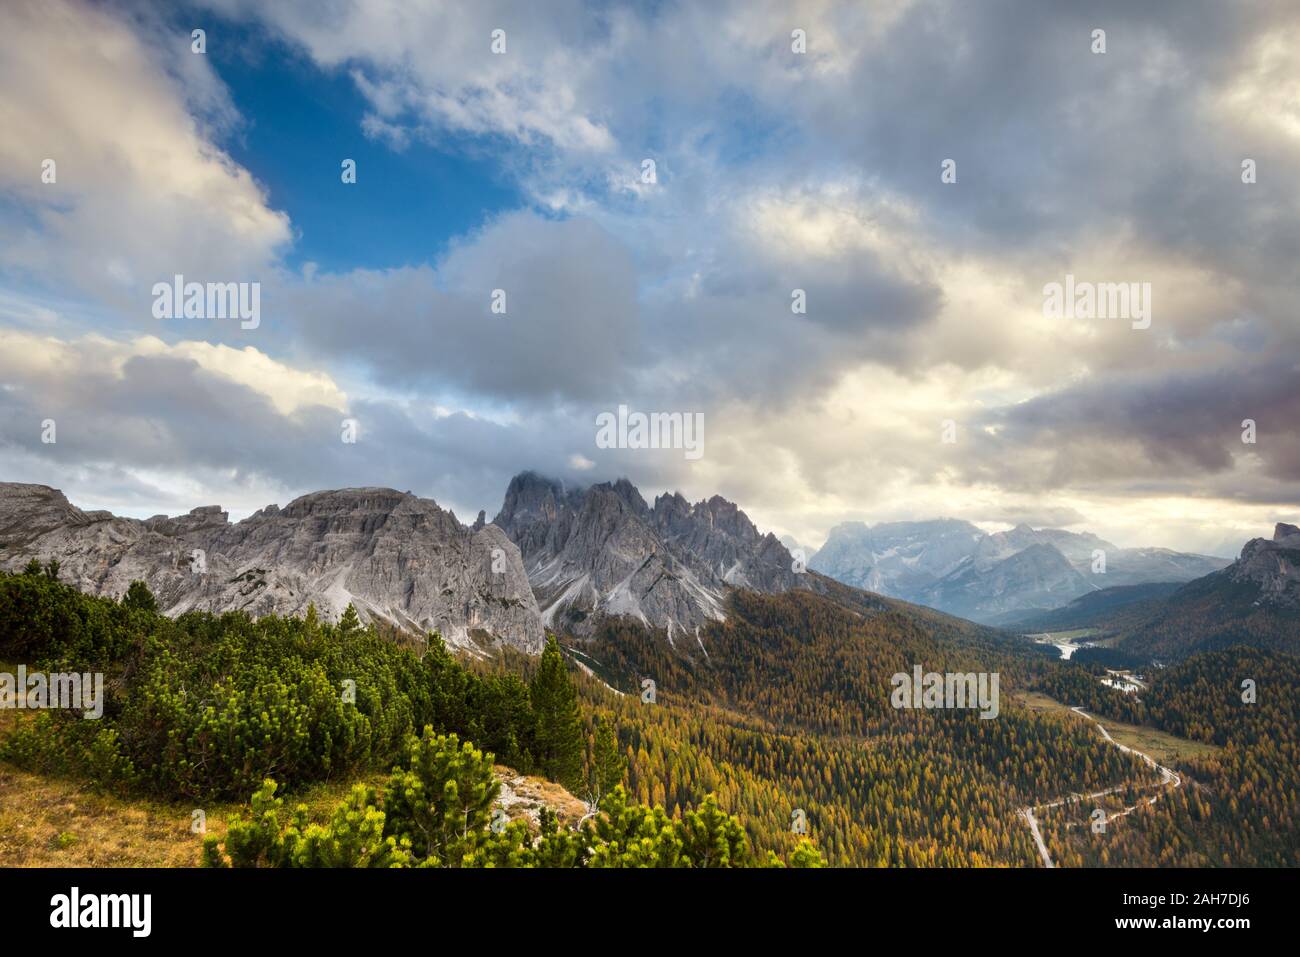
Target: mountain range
<point x="555" y="557"/>
<point x="993" y="578"/>
<point x="393" y="555"/>
<point x="568" y="558"/>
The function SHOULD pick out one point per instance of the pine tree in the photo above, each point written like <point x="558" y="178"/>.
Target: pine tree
<point x="806" y="854"/>
<point x="439" y="802"/>
<point x="139" y="598"/>
<point x="559" y="736"/>
<point x="712" y="838"/>
<point x="605" y="767"/>
<point x="349" y="623"/>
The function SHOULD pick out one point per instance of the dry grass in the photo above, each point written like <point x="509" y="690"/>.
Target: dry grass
<point x="58" y="822"/>
<point x="54" y="823"/>
<point x="523" y="796"/>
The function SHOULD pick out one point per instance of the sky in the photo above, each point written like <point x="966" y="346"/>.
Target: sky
<point x="921" y="170"/>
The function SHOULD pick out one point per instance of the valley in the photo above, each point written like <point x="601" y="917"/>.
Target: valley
<point x="1165" y="748"/>
<point x="1066" y="642"/>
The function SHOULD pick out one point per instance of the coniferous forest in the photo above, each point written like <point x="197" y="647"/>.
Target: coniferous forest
<point x="769" y="740"/>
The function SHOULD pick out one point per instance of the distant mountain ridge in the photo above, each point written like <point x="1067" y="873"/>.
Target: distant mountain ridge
<point x="956" y="567"/>
<point x="1095" y="608"/>
<point x="895" y="558"/>
<point x="564" y="558"/>
<point x="986" y="589"/>
<point x="1255" y="601"/>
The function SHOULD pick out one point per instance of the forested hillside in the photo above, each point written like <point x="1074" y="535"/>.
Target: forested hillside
<point x="1253" y="602"/>
<point x="1210" y="613"/>
<point x="786" y="706"/>
<point x="1240" y="804"/>
<point x="783" y="713"/>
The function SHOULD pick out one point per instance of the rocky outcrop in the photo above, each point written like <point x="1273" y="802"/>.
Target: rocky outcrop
<point x="1271" y="566"/>
<point x="393" y="555"/>
<point x="603" y="551"/>
<point x="524" y="797"/>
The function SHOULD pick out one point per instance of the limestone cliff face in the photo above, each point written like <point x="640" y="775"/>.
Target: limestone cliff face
<point x="603" y="551"/>
<point x="395" y="556"/>
<point x="1273" y="566"/>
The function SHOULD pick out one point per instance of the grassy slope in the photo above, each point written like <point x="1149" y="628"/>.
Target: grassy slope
<point x="46" y="822"/>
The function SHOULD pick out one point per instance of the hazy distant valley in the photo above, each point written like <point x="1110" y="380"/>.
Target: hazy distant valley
<point x="994" y="578"/>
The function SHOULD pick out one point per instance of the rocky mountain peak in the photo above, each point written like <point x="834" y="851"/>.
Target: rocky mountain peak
<point x="627" y="492"/>
<point x="727" y="516"/>
<point x="530" y="497"/>
<point x="602" y="550"/>
<point x="671" y="508"/>
<point x="30" y="509"/>
<point x="1288" y="535"/>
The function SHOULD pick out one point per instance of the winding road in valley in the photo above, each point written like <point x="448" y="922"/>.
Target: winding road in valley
<point x="1168" y="778"/>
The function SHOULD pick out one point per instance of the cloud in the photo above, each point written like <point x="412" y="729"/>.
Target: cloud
<point x="776" y="172"/>
<point x="1122" y="428"/>
<point x="433" y="64"/>
<point x="567" y="324"/>
<point x="45" y="362"/>
<point x="1038" y="517"/>
<point x="127" y="113"/>
<point x="141" y="425"/>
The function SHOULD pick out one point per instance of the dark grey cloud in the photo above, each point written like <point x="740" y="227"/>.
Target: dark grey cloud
<point x="570" y="330"/>
<point x="1153" y="432"/>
